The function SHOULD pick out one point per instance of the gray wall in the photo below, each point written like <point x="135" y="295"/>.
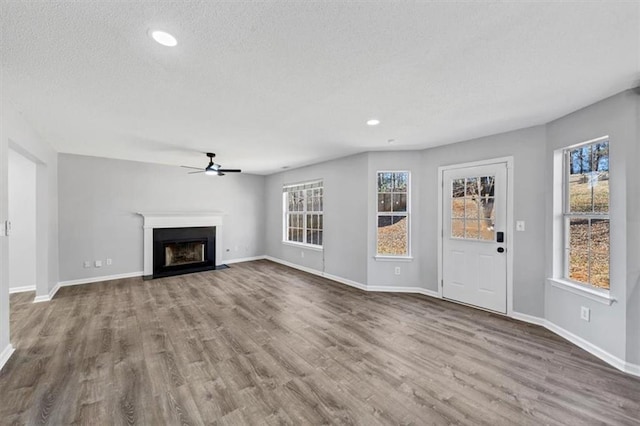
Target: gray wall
<point x="616" y="117"/>
<point x="99" y="199"/>
<point x="527" y="146"/>
<point x="350" y="196"/>
<point x="345" y="204"/>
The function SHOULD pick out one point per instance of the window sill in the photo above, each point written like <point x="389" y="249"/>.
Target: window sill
<point x="303" y="245"/>
<point x="601" y="296"/>
<point x="393" y="258"/>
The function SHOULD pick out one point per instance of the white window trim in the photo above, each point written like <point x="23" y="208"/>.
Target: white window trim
<point x="584" y="290"/>
<point x="304" y="213"/>
<point x="559" y="264"/>
<point x="400" y="257"/>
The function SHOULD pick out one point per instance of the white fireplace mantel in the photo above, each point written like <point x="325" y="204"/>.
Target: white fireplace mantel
<point x="154" y="220"/>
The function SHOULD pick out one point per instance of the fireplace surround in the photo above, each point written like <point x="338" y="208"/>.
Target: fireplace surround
<point x="191" y="223"/>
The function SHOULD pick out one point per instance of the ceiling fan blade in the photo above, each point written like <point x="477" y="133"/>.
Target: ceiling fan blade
<point x="230" y="170"/>
<point x="189" y="167"/>
<point x="191" y="173"/>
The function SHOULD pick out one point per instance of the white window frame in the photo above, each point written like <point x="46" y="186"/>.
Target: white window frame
<point x="305" y="187"/>
<point x="394" y="257"/>
<point x="560" y="233"/>
<point x="567" y="215"/>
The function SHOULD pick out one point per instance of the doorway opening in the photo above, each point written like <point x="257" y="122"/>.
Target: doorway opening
<point x="22" y="215"/>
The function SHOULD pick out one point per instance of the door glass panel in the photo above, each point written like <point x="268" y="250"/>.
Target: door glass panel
<point x="457" y="188"/>
<point x="486" y="208"/>
<point x="471" y="187"/>
<point x="486" y="231"/>
<point x="471" y="208"/>
<point x="487" y="186"/>
<point x="457" y="207"/>
<point x="473" y="198"/>
<point x="457" y="228"/>
<point x="471" y="229"/>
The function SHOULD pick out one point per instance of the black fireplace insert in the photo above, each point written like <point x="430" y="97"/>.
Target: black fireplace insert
<point x="183" y="250"/>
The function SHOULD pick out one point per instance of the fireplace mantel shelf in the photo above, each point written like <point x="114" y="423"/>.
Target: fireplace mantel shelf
<point x="153" y="220"/>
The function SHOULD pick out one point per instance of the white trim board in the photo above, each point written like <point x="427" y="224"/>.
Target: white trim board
<point x="91" y="280"/>
<point x="47" y="297"/>
<point x="5" y="355"/>
<point x="360" y="286"/>
<point x="22" y="289"/>
<point x="243" y="259"/>
<point x="594" y="350"/>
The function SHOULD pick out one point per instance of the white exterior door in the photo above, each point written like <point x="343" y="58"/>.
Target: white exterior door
<point x="474" y="258"/>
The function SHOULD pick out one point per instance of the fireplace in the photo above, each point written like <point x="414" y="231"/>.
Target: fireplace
<point x="183" y="250"/>
<point x="153" y="250"/>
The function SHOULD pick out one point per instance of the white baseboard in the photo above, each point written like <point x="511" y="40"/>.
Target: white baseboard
<point x="22" y="289"/>
<point x="100" y="279"/>
<point x="529" y="318"/>
<point x="355" y="284"/>
<point x="5" y="355"/>
<point x="346" y="281"/>
<point x="47" y="297"/>
<point x="594" y="350"/>
<point x="243" y="259"/>
<point x="415" y="290"/>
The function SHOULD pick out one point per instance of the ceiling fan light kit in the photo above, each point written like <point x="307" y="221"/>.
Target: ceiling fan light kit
<point x="212" y="168"/>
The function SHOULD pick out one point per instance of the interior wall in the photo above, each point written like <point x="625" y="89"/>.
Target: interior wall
<point x="345" y="206"/>
<point x="99" y="199"/>
<point x="22" y="213"/>
<point x="616" y="117"/>
<point x="527" y="147"/>
<point x="20" y="135"/>
<point x="381" y="273"/>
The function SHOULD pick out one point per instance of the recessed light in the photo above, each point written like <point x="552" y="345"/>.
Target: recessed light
<point x="164" y="38"/>
<point x="373" y="122"/>
<point x="391" y="141"/>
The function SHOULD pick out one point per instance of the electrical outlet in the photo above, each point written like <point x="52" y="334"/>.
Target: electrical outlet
<point x="585" y="313"/>
<point x="98" y="263"/>
<point x="87" y="264"/>
<point x="301" y="254"/>
<point x="397" y="270"/>
<point x="109" y="262"/>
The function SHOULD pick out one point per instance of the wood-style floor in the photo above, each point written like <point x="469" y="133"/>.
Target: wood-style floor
<point x="260" y="343"/>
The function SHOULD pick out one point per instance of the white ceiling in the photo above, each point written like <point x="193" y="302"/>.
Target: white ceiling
<point x="270" y="84"/>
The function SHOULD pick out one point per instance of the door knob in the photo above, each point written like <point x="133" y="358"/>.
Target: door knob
<point x="500" y="249"/>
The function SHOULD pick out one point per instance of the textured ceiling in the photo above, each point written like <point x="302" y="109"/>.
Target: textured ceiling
<point x="272" y="84"/>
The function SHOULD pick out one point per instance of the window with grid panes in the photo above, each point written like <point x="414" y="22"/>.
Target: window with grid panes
<point x="393" y="214"/>
<point x="586" y="214"/>
<point x="303" y="214"/>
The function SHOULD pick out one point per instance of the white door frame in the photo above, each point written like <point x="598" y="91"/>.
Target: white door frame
<point x="509" y="223"/>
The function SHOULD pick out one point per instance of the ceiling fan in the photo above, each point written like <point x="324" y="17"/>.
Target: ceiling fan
<point x="212" y="168"/>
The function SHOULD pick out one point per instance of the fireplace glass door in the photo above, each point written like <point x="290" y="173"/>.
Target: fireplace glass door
<point x="184" y="253"/>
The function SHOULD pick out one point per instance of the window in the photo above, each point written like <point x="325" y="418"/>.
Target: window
<point x="586" y="214"/>
<point x="393" y="214"/>
<point x="472" y="213"/>
<point x="303" y="213"/>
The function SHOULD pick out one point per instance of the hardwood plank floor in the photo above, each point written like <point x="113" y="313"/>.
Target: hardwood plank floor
<point x="261" y="343"/>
